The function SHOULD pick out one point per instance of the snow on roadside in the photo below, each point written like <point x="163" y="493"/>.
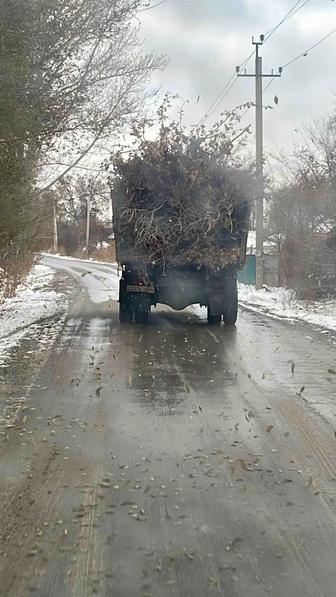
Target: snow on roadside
<point x="101" y="283"/>
<point x="67" y="258"/>
<point x="283" y="304"/>
<point x="33" y="302"/>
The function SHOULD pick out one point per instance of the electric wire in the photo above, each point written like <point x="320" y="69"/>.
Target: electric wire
<point x="230" y="83"/>
<point x="153" y="6"/>
<point x="289" y="15"/>
<point x="303" y="54"/>
<point x="223" y="93"/>
<point x="233" y="79"/>
<point x="273" y="29"/>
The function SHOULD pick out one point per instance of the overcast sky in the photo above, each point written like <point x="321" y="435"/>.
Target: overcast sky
<point x="205" y="39"/>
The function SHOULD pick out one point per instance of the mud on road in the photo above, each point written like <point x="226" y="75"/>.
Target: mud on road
<point x="167" y="459"/>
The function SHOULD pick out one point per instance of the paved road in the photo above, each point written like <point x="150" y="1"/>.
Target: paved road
<point x="168" y="459"/>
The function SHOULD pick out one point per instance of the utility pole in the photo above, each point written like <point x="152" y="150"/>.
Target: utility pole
<point x="87" y="242"/>
<point x="259" y="75"/>
<point x="55" y="231"/>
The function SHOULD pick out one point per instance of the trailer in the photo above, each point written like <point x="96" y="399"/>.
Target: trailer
<point x="145" y="284"/>
<point x="142" y="287"/>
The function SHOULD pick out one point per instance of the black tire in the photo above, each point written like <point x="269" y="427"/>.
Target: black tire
<point x="213" y="319"/>
<point x="125" y="313"/>
<point x="141" y="316"/>
<point x="230" y="313"/>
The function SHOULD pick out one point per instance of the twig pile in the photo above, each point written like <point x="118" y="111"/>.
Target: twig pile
<point x="174" y="203"/>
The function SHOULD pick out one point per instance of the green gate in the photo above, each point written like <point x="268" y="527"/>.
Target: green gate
<point x="248" y="274"/>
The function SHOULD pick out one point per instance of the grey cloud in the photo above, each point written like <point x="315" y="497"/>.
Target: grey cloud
<point x="206" y="39"/>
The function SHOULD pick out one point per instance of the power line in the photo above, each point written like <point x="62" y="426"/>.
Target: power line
<point x="223" y="93"/>
<point x="226" y="93"/>
<point x="273" y="29"/>
<point x="233" y="80"/>
<point x="218" y="99"/>
<point x="299" y="8"/>
<point x="290" y="14"/>
<point x="153" y="6"/>
<point x="304" y="54"/>
<point x="268" y="84"/>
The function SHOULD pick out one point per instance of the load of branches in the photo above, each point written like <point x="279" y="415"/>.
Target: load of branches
<point x="182" y="198"/>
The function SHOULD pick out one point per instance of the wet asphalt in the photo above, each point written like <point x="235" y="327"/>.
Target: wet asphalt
<point x="167" y="459"/>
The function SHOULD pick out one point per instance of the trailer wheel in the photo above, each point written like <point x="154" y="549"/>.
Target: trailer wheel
<point x="125" y="313"/>
<point x="230" y="311"/>
<point x="141" y="316"/>
<point x="213" y="319"/>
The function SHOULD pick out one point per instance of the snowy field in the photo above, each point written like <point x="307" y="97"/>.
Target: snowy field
<point x="283" y="304"/>
<point x="34" y="303"/>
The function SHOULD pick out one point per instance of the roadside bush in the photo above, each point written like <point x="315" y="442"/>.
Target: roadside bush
<point x="13" y="272"/>
<point x="105" y="254"/>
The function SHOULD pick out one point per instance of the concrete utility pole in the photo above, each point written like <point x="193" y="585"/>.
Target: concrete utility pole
<point x="258" y="75"/>
<point x="55" y="231"/>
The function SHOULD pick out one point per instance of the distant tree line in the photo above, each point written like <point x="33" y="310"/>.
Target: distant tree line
<point x="302" y="211"/>
<point x="71" y="196"/>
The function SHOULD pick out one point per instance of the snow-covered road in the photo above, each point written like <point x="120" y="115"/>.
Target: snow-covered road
<point x="99" y="279"/>
<point x="35" y="302"/>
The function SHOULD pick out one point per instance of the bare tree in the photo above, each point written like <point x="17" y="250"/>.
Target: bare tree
<point x="72" y="73"/>
<point x="303" y="210"/>
<point x="95" y="71"/>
